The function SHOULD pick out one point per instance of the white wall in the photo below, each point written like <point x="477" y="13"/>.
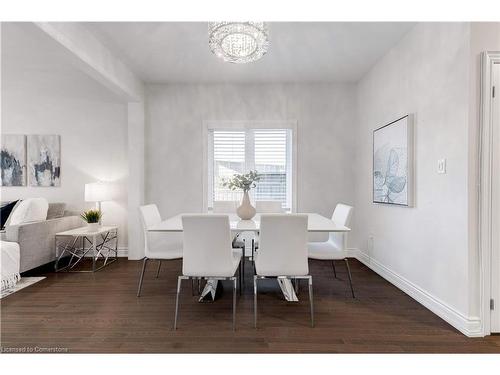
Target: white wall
<point x="426" y="73"/>
<point x="44" y="94"/>
<point x="325" y="116"/>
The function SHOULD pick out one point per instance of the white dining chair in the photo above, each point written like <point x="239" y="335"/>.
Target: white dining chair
<point x="157" y="246"/>
<point x="336" y="246"/>
<point x="265" y="207"/>
<point x="229" y="207"/>
<point x="283" y="252"/>
<point x="208" y="253"/>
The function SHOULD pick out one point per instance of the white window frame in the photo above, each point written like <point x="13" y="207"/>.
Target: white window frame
<point x="243" y="126"/>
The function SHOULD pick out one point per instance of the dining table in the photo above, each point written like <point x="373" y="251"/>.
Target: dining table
<point x="316" y="223"/>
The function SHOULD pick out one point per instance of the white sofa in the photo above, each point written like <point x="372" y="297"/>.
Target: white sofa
<point x="9" y="270"/>
<point x="36" y="239"/>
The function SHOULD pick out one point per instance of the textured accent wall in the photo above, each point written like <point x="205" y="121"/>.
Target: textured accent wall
<point x="325" y="115"/>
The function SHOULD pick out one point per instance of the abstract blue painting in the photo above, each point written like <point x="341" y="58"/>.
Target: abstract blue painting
<point x="44" y="160"/>
<point x="393" y="163"/>
<point x="13" y="160"/>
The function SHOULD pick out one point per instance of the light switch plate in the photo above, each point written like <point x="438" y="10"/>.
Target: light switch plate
<point x="441" y="167"/>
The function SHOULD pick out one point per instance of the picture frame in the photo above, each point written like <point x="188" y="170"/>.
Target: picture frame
<point x="393" y="163"/>
<point x="44" y="160"/>
<point x="13" y="160"/>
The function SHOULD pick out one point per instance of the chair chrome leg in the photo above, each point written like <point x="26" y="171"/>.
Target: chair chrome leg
<point x="158" y="270"/>
<point x="311" y="301"/>
<point x="243" y="269"/>
<point x="179" y="280"/>
<point x="334" y="270"/>
<point x="234" y="303"/>
<point x="240" y="278"/>
<point x="255" y="301"/>
<point x="141" y="277"/>
<point x="350" y="276"/>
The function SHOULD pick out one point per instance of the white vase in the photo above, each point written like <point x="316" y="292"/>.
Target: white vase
<point x="245" y="211"/>
<point x="91" y="227"/>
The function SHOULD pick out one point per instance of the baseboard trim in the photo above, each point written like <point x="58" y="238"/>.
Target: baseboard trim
<point x="469" y="326"/>
<point x="123" y="252"/>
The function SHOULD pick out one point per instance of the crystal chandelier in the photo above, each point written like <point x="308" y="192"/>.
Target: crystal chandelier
<point x="238" y="42"/>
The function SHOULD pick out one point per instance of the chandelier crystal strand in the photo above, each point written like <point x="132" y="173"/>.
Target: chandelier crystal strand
<point x="238" y="42"/>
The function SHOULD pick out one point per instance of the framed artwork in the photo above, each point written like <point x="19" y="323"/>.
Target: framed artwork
<point x="13" y="160"/>
<point x="44" y="160"/>
<point x="393" y="163"/>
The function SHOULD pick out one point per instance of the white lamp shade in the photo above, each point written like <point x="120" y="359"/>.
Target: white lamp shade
<point x="97" y="192"/>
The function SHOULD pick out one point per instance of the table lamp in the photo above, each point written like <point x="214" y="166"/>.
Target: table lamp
<point x="97" y="192"/>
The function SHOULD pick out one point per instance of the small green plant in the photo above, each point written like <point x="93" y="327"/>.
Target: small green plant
<point x="242" y="181"/>
<point x="91" y="216"/>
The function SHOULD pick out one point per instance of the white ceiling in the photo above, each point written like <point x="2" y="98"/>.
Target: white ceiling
<point x="298" y="52"/>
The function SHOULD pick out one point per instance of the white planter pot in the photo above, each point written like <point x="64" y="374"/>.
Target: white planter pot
<point x="93" y="226"/>
<point x="246" y="211"/>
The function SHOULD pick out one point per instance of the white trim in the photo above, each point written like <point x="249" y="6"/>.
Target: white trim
<point x="123" y="252"/>
<point x="205" y="173"/>
<point x="469" y="326"/>
<point x="295" y="152"/>
<point x="485" y="188"/>
<point x="243" y="125"/>
<point x="253" y="124"/>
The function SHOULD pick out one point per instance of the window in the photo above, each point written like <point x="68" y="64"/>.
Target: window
<point x="267" y="150"/>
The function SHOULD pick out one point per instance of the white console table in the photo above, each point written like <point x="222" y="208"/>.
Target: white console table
<point x="100" y="244"/>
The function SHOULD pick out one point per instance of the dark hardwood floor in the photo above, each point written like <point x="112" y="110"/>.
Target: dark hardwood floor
<point x="100" y="313"/>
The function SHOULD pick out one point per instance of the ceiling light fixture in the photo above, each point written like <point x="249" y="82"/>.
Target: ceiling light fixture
<point x="238" y="42"/>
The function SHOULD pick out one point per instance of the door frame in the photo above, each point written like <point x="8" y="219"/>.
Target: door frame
<point x="485" y="188"/>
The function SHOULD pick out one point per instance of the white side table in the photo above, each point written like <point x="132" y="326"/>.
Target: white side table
<point x="100" y="244"/>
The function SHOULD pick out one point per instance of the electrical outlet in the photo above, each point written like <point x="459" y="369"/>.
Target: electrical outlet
<point x="441" y="166"/>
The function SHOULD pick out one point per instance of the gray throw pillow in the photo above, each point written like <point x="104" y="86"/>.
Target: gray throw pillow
<point x="56" y="210"/>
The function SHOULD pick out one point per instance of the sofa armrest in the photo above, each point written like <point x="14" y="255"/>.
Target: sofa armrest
<point x="37" y="239"/>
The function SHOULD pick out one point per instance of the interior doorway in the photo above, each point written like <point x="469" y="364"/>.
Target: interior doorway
<point x="495" y="241"/>
<point x="489" y="201"/>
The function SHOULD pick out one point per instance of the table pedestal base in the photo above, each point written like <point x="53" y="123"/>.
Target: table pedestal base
<point x="288" y="290"/>
<point x="209" y="293"/>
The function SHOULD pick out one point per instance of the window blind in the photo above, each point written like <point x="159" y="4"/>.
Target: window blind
<point x="239" y="151"/>
<point x="228" y="159"/>
<point x="271" y="164"/>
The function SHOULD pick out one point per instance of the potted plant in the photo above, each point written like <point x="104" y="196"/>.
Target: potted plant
<point x="244" y="182"/>
<point x="92" y="218"/>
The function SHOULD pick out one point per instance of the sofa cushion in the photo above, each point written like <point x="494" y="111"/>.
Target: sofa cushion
<point x="56" y="210"/>
<point x="31" y="209"/>
<point x="5" y="211"/>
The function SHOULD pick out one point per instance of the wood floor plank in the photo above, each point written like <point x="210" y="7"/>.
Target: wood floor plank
<point x="100" y="313"/>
